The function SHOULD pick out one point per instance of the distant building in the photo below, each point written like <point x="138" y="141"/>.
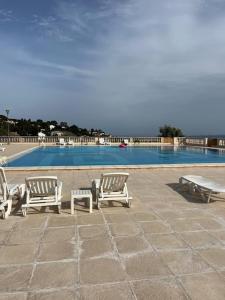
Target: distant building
<point x="97" y="133"/>
<point x="57" y="133"/>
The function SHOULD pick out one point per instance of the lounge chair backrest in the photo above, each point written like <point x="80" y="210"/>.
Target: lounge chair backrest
<point x="126" y="141"/>
<point x="113" y="182"/>
<point x="101" y="140"/>
<point x="41" y="186"/>
<point x="61" y="141"/>
<point x="3" y="183"/>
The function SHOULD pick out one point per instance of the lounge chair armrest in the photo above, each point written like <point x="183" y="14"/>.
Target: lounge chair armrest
<point x="96" y="183"/>
<point x="59" y="188"/>
<point x="21" y="190"/>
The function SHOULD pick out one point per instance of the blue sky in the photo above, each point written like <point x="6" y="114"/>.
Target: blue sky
<point x="125" y="66"/>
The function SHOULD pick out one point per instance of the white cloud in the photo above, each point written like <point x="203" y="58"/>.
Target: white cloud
<point x="139" y="63"/>
<point x="6" y="16"/>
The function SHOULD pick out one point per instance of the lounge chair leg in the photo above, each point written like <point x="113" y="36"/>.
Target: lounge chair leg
<point x="98" y="204"/>
<point x="24" y="212"/>
<point x="3" y="213"/>
<point x="209" y="196"/>
<point x="59" y="209"/>
<point x="129" y="203"/>
<point x="6" y="211"/>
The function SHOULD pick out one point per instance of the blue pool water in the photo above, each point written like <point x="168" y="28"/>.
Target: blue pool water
<point x="109" y="155"/>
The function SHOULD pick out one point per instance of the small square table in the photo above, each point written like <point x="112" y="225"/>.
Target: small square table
<point x="80" y="194"/>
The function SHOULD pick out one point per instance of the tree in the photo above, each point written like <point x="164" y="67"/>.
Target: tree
<point x="169" y="131"/>
<point x="27" y="127"/>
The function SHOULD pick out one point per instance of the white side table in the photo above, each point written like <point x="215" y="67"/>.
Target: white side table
<point x="80" y="194"/>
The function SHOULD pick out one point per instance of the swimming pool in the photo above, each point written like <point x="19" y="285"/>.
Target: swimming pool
<point x="110" y="155"/>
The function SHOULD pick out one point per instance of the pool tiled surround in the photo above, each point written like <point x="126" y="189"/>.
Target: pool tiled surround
<point x="168" y="245"/>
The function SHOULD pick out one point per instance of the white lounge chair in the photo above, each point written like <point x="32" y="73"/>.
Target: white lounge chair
<point x="126" y="141"/>
<point x="2" y="148"/>
<point x="7" y="191"/>
<point x="111" y="187"/>
<point x="101" y="141"/>
<point x="70" y="143"/>
<point x="205" y="186"/>
<point x="42" y="191"/>
<point x="61" y="142"/>
<point x="3" y="160"/>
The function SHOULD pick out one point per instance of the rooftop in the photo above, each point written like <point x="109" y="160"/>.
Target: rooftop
<point x="168" y="245"/>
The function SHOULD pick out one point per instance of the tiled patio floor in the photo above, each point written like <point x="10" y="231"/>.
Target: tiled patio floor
<point x="169" y="245"/>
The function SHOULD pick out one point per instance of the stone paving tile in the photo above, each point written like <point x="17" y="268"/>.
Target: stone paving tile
<point x="3" y="236"/>
<point x="182" y="225"/>
<point x="92" y="232"/>
<point x="165" y="289"/>
<point x="195" y="213"/>
<point x="90" y="219"/>
<point x="59" y="234"/>
<point x="115" y="208"/>
<point x="15" y="278"/>
<point x="56" y="251"/>
<point x="53" y="295"/>
<point x="166" y="241"/>
<point x="58" y="221"/>
<point x="101" y="270"/>
<point x="200" y="239"/>
<point x="169" y="214"/>
<point x="118" y="218"/>
<point x="96" y="248"/>
<point x="6" y="225"/>
<point x="157" y="206"/>
<point x="17" y="254"/>
<point x="131" y="244"/>
<point x="184" y="262"/>
<point x="124" y="229"/>
<point x="220" y="235"/>
<point x="208" y="286"/>
<point x="32" y="221"/>
<point x="209" y="224"/>
<point x="14" y="296"/>
<point x="118" y="291"/>
<point x="214" y="256"/>
<point x="143" y="266"/>
<point x="25" y="236"/>
<point x="155" y="227"/>
<point x="144" y="216"/>
<point x="59" y="274"/>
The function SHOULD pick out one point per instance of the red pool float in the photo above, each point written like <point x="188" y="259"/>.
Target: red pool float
<point x="123" y="145"/>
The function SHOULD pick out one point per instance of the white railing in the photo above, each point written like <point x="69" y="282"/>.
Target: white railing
<point x="196" y="141"/>
<point x="148" y="140"/>
<point x="181" y="140"/>
<point x="221" y="143"/>
<point x="81" y="139"/>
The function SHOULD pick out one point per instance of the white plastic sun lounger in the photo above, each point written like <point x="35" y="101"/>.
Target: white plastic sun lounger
<point x="62" y="142"/>
<point x="101" y="141"/>
<point x="2" y="148"/>
<point x="111" y="187"/>
<point x="205" y="186"/>
<point x="70" y="143"/>
<point x="7" y="191"/>
<point x="3" y="160"/>
<point x="42" y="191"/>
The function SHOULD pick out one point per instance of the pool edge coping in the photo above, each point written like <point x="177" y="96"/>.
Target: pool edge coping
<point x="150" y="166"/>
